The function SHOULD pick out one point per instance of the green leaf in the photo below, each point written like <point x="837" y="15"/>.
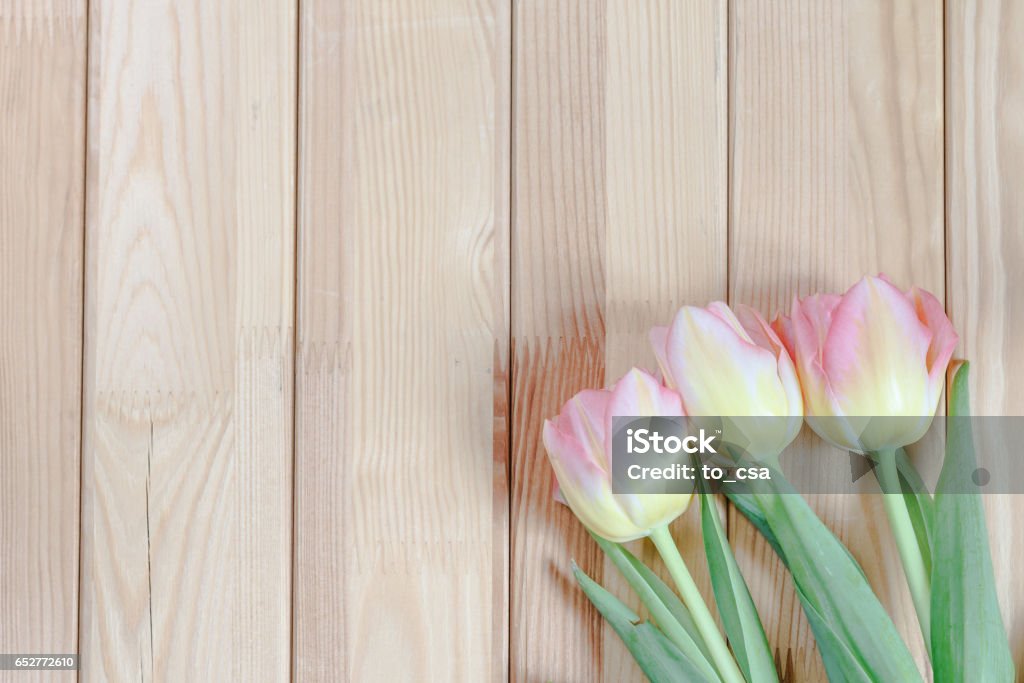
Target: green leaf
<point x="968" y="638"/>
<point x="666" y="609"/>
<point x="837" y="595"/>
<point x="739" y="616"/>
<point x="747" y="504"/>
<point x="671" y="664"/>
<point x="659" y="659"/>
<point x="671" y="600"/>
<point x="840" y="662"/>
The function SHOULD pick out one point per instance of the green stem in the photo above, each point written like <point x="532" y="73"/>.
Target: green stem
<point x="906" y="540"/>
<point x="691" y="596"/>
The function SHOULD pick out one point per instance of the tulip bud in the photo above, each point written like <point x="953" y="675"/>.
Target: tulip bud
<point x="724" y="365"/>
<point x="578" y="442"/>
<point x="871" y="362"/>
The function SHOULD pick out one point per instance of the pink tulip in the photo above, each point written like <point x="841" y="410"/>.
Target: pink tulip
<point x="727" y="365"/>
<point x="578" y="442"/>
<point x="872" y="352"/>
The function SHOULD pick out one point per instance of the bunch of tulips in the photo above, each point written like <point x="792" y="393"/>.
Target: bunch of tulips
<point x="834" y="362"/>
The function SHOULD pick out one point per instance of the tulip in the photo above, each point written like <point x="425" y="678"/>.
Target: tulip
<point x="872" y="352"/>
<point x="724" y="364"/>
<point x="872" y="364"/>
<point x="578" y="442"/>
<point x="579" y="445"/>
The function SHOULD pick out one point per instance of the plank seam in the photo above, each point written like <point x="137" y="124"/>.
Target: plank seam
<point x="296" y="266"/>
<point x="511" y="373"/>
<point x="947" y="298"/>
<point x="727" y="209"/>
<point x="87" y="21"/>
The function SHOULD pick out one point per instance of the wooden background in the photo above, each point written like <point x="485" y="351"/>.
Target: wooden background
<point x="288" y="287"/>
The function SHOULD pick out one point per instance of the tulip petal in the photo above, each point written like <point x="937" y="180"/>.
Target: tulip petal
<point x="659" y="342"/>
<point x="573" y="462"/>
<point x="639" y="393"/>
<point x="586" y="487"/>
<point x="944" y="337"/>
<point x="765" y="337"/>
<point x="783" y="327"/>
<point x="875" y="351"/>
<point x="556" y="492"/>
<point x="650" y="510"/>
<point x="819" y="310"/>
<point x="802" y="333"/>
<point x="726" y="315"/>
<point x="757" y="329"/>
<point x="584" y="416"/>
<point x="719" y="372"/>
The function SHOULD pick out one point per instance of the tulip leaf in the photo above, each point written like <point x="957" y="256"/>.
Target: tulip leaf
<point x="670" y="665"/>
<point x="658" y="658"/>
<point x="739" y="616"/>
<point x="747" y="504"/>
<point x="665" y="607"/>
<point x="840" y="662"/>
<point x="671" y="600"/>
<point x="968" y="637"/>
<point x="835" y="592"/>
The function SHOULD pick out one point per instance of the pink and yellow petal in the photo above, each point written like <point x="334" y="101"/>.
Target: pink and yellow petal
<point x="717" y="372"/>
<point x="944" y="337"/>
<point x="875" y="350"/>
<point x="583" y="415"/>
<point x="721" y="310"/>
<point x="659" y="342"/>
<point x="639" y="393"/>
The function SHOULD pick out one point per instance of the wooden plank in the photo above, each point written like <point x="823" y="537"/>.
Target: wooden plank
<point x="836" y="149"/>
<point x="665" y="192"/>
<point x="42" y="167"/>
<point x="620" y="186"/>
<point x="985" y="212"/>
<point x="400" y="467"/>
<point x="188" y="378"/>
<point x="558" y="308"/>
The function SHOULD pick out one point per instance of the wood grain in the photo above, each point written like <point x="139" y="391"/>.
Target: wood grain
<point x="188" y="328"/>
<point x="836" y="150"/>
<point x="619" y="168"/>
<point x="665" y="193"/>
<point x="985" y="243"/>
<point x="558" y="308"/>
<point x="496" y="200"/>
<point x="42" y="167"/>
<point x="400" y="468"/>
